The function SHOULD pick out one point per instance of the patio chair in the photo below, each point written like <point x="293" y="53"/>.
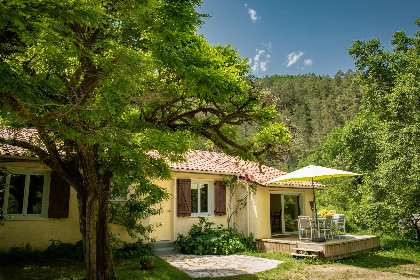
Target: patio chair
<point x="277" y="221"/>
<point x="339" y="224"/>
<point x="304" y="227"/>
<point x="327" y="227"/>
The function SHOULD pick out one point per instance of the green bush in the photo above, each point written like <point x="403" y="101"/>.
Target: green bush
<point x="58" y="249"/>
<point x="203" y="239"/>
<point x="134" y="250"/>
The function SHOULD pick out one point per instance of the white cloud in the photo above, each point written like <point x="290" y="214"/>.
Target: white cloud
<point x="260" y="61"/>
<point x="252" y="13"/>
<point x="307" y="62"/>
<point x="293" y="58"/>
<point x="263" y="65"/>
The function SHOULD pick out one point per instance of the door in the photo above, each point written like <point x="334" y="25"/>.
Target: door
<point x="164" y="219"/>
<point x="284" y="211"/>
<point x="162" y="232"/>
<point x="291" y="206"/>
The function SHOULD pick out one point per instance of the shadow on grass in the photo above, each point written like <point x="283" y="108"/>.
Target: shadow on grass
<point x="375" y="261"/>
<point x="42" y="269"/>
<point x="130" y="269"/>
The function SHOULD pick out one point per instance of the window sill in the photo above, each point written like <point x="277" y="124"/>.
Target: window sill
<point x="28" y="219"/>
<point x="200" y="215"/>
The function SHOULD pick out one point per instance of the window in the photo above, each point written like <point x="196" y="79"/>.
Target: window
<point x="200" y="198"/>
<point x="195" y="198"/>
<point x="118" y="194"/>
<point x="26" y="194"/>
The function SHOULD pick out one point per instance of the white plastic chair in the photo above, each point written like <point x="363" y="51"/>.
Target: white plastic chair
<point x="305" y="226"/>
<point x="327" y="227"/>
<point x="339" y="224"/>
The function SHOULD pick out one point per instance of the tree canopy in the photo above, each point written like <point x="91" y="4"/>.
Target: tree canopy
<point x="387" y="132"/>
<point x="115" y="88"/>
<point x="382" y="141"/>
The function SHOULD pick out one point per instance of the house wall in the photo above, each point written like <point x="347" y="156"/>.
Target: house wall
<point x="260" y="217"/>
<point x="182" y="225"/>
<point x="241" y="217"/>
<point x="38" y="233"/>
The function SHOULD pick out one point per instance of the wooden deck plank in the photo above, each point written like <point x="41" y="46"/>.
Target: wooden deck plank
<point x="335" y="249"/>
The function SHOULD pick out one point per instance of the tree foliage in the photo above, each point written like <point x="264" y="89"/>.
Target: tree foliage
<point x="115" y="90"/>
<point x="390" y="148"/>
<point x="382" y="142"/>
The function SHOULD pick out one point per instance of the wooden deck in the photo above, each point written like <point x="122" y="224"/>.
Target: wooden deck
<point x="335" y="249"/>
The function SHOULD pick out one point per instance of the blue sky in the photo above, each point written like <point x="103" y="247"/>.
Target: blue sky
<point x="307" y="36"/>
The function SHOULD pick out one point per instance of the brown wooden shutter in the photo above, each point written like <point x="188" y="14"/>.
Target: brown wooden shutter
<point x="184" y="197"/>
<point x="2" y="190"/>
<point x="219" y="198"/>
<point x="59" y="197"/>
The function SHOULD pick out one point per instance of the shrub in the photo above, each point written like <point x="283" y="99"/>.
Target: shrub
<point x="134" y="250"/>
<point x="203" y="239"/>
<point x="58" y="249"/>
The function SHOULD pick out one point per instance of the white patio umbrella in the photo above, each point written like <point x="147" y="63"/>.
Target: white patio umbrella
<point x="311" y="173"/>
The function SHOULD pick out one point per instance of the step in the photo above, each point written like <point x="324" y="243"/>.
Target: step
<point x="307" y="250"/>
<point x="166" y="248"/>
<point x="167" y="252"/>
<point x="304" y="256"/>
<point x="164" y="244"/>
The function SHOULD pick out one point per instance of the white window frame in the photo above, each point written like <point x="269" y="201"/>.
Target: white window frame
<point x="301" y="198"/>
<point x="45" y="194"/>
<point x="122" y="198"/>
<point x="209" y="198"/>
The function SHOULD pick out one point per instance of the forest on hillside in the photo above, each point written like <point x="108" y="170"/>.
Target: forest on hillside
<point x="311" y="106"/>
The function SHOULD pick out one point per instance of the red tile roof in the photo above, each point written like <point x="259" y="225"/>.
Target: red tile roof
<point x="213" y="162"/>
<point x="23" y="134"/>
<point x="197" y="161"/>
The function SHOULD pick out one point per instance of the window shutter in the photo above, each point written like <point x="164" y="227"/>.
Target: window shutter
<point x="184" y="197"/>
<point x="2" y="190"/>
<point x="220" y="198"/>
<point x="59" y="197"/>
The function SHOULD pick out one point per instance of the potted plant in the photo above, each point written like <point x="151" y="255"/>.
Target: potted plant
<point x="147" y="261"/>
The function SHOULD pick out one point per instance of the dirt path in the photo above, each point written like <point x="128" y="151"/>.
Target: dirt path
<point x="341" y="272"/>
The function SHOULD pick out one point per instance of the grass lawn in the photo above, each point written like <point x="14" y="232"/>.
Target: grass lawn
<point x="398" y="259"/>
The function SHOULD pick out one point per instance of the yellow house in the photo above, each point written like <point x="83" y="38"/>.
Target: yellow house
<point x="44" y="208"/>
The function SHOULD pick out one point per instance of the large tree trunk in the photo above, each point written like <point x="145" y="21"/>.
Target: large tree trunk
<point x="93" y="211"/>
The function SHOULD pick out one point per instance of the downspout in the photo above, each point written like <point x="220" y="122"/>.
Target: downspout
<point x="175" y="211"/>
<point x="247" y="204"/>
<point x="232" y="200"/>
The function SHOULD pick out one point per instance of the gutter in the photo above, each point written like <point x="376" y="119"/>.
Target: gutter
<point x="18" y="157"/>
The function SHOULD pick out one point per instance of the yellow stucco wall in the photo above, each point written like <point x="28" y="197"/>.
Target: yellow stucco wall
<point x="38" y="233"/>
<point x="183" y="224"/>
<point x="242" y="216"/>
<point x="260" y="220"/>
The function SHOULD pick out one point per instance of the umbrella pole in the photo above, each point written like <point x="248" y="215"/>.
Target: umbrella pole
<point x="316" y="215"/>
